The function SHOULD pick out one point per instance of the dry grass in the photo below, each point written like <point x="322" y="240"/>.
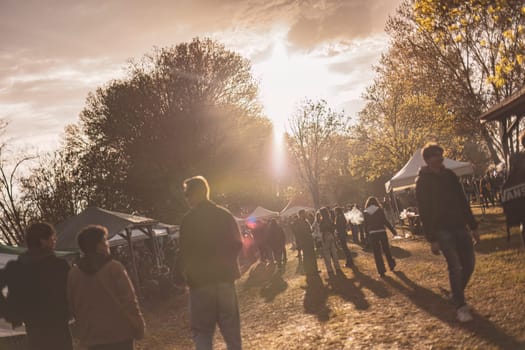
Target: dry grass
<point x="402" y="311"/>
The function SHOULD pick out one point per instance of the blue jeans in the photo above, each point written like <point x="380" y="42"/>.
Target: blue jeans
<point x="457" y="247"/>
<point x="212" y="305"/>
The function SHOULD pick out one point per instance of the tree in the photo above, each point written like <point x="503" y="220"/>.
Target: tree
<point x="181" y="111"/>
<point x="316" y="134"/>
<point x="52" y="190"/>
<point x="398" y="118"/>
<point x="473" y="49"/>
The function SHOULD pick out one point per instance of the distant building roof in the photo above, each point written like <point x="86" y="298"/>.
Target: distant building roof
<point x="513" y="105"/>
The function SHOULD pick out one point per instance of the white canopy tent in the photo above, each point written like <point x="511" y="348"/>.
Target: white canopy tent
<point x="291" y="211"/>
<point x="262" y="213"/>
<point x="406" y="177"/>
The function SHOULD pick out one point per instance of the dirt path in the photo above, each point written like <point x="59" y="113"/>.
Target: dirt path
<point x="362" y="311"/>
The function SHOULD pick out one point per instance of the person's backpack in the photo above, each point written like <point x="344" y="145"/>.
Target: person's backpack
<point x="513" y="192"/>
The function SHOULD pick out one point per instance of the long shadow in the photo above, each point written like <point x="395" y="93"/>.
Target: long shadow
<point x="315" y="298"/>
<point x="399" y="253"/>
<point x="433" y="304"/>
<point x="489" y="245"/>
<point x="259" y="275"/>
<point x="349" y="291"/>
<point x="275" y="286"/>
<point x="375" y="286"/>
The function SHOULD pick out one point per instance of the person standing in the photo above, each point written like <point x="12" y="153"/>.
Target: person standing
<point x="276" y="242"/>
<point x="375" y="228"/>
<point x="101" y="296"/>
<point x="445" y="214"/>
<point x="306" y="242"/>
<point x="36" y="284"/>
<point x="329" y="247"/>
<point x="341" y="227"/>
<point x="210" y="244"/>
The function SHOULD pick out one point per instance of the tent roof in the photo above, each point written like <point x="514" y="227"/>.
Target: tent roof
<point x="115" y="222"/>
<point x="290" y="211"/>
<point x="406" y="177"/>
<point x="136" y="235"/>
<point x="261" y="212"/>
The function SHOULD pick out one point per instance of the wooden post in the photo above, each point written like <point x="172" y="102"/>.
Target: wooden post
<point x="134" y="263"/>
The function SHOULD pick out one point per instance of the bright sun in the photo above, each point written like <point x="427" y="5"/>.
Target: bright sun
<point x="286" y="79"/>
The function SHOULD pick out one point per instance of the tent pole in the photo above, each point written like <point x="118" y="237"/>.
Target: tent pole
<point x="156" y="248"/>
<point x="134" y="263"/>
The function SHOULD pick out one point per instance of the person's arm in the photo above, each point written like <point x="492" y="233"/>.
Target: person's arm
<point x="465" y="207"/>
<point x="128" y="301"/>
<point x="388" y="224"/>
<point x="424" y="204"/>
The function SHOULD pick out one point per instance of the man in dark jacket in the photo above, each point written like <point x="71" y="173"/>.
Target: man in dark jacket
<point x="445" y="214"/>
<point x="36" y="284"/>
<point x="306" y="241"/>
<point x="210" y="243"/>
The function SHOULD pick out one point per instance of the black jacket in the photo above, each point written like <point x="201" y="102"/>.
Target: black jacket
<point x="210" y="242"/>
<point x="37" y="284"/>
<point x="375" y="220"/>
<point x="441" y="202"/>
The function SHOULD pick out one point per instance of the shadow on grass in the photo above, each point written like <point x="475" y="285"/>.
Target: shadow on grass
<point x="434" y="304"/>
<point x="375" y="286"/>
<point x="315" y="298"/>
<point x="259" y="275"/>
<point x="349" y="291"/>
<point x="494" y="243"/>
<point x="275" y="286"/>
<point x="399" y="253"/>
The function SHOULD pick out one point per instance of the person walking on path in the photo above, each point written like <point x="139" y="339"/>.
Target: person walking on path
<point x="341" y="227"/>
<point x="101" y="296"/>
<point x="445" y="214"/>
<point x="36" y="284"/>
<point x="306" y="242"/>
<point x="210" y="244"/>
<point x="276" y="242"/>
<point x="329" y="247"/>
<point x="375" y="228"/>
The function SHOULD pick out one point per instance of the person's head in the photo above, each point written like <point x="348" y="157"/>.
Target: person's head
<point x="433" y="155"/>
<point x="339" y="211"/>
<point x="196" y="190"/>
<point x="92" y="239"/>
<point x="318" y="216"/>
<point x="325" y="214"/>
<point x="40" y="235"/>
<point x="302" y="214"/>
<point x="372" y="201"/>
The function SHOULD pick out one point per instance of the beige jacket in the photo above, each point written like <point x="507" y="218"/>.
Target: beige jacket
<point x="104" y="305"/>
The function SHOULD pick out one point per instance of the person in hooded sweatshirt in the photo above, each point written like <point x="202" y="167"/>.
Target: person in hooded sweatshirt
<point x="445" y="214"/>
<point x="36" y="284"/>
<point x="375" y="228"/>
<point x="101" y="296"/>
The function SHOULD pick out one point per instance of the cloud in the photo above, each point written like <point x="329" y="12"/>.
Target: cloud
<point x="52" y="53"/>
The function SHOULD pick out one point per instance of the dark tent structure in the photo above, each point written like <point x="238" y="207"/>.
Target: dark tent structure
<point x="117" y="224"/>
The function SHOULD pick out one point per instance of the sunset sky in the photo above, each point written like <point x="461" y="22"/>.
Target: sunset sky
<point x="52" y="53"/>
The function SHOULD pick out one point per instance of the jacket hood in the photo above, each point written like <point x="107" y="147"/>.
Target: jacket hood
<point x="91" y="264"/>
<point x="35" y="255"/>
<point x="371" y="209"/>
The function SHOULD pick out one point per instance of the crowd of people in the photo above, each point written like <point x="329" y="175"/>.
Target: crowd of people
<point x="45" y="293"/>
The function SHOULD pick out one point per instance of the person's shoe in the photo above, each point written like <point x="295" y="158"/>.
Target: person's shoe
<point x="463" y="314"/>
<point x="381" y="274"/>
<point x="447" y="295"/>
